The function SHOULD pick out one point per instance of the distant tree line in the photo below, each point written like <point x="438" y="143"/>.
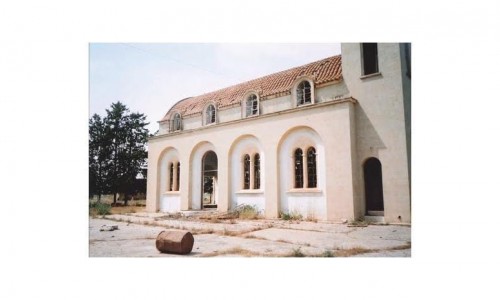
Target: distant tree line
<point x="117" y="152"/>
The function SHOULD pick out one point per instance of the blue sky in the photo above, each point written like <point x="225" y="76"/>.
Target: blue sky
<point x="150" y="78"/>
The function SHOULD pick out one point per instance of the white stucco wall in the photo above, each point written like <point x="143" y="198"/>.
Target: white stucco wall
<point x="309" y="202"/>
<point x="170" y="202"/>
<point x="246" y="145"/>
<point x="345" y="131"/>
<point x="332" y="123"/>
<point x="380" y="125"/>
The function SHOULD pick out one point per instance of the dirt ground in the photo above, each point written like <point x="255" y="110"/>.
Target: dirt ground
<point x="137" y="232"/>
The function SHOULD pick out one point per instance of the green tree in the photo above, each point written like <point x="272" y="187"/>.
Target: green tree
<point x="98" y="157"/>
<point x="127" y="136"/>
<point x="117" y="151"/>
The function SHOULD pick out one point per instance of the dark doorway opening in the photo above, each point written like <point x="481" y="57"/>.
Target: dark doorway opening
<point x="209" y="182"/>
<point x="374" y="194"/>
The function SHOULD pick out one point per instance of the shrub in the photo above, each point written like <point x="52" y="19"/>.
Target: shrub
<point x="248" y="212"/>
<point x="102" y="209"/>
<point x="290" y="216"/>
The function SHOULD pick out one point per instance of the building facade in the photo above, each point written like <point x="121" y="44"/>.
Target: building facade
<point x="329" y="140"/>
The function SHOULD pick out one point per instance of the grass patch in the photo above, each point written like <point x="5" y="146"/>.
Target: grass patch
<point x="294" y="216"/>
<point x="297" y="253"/>
<point x="233" y="251"/>
<point x="352" y="251"/>
<point x="101" y="209"/>
<point x="122" y="210"/>
<point x="248" y="212"/>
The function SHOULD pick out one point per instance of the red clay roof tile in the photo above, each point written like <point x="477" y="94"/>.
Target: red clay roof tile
<point x="322" y="71"/>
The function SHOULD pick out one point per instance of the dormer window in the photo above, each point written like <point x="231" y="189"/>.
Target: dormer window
<point x="304" y="93"/>
<point x="176" y="122"/>
<point x="252" y="105"/>
<point x="210" y="114"/>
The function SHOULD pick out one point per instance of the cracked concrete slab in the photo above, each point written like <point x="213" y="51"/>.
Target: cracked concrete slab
<point x="136" y="236"/>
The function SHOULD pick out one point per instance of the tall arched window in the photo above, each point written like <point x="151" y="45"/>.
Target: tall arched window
<point x="178" y="176"/>
<point x="246" y="172"/>
<point x="311" y="168"/>
<point x="171" y="177"/>
<point x="210" y="116"/>
<point x="252" y="105"/>
<point x="176" y="123"/>
<point x="299" y="169"/>
<point x="303" y="93"/>
<point x="256" y="166"/>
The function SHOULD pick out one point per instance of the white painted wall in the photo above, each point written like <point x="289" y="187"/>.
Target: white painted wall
<point x="246" y="145"/>
<point x="307" y="202"/>
<point x="344" y="131"/>
<point x="170" y="202"/>
<point x="169" y="155"/>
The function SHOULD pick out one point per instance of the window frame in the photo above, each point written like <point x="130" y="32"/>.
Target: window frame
<point x="256" y="171"/>
<point x="312" y="168"/>
<point x="246" y="172"/>
<point x="298" y="164"/>
<point x="252" y="105"/>
<point x="369" y="59"/>
<point x="176" y="123"/>
<point x="213" y="119"/>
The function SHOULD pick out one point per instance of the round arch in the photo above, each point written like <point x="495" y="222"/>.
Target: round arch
<point x="196" y="184"/>
<point x="309" y="202"/>
<point x="254" y="193"/>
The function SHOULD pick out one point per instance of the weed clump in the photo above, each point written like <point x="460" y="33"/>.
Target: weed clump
<point x="297" y="253"/>
<point x="99" y="209"/>
<point x="295" y="216"/>
<point x="249" y="212"/>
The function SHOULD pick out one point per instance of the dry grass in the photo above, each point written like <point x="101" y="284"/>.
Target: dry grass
<point x="233" y="251"/>
<point x="352" y="251"/>
<point x="121" y="210"/>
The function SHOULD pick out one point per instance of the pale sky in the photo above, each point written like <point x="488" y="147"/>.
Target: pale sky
<point x="150" y="78"/>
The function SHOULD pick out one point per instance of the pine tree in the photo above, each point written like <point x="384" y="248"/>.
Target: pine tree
<point x="124" y="139"/>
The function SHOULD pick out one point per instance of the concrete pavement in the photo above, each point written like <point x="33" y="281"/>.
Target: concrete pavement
<point x="137" y="233"/>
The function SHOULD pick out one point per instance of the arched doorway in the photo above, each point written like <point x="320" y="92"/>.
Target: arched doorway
<point x="374" y="194"/>
<point x="209" y="180"/>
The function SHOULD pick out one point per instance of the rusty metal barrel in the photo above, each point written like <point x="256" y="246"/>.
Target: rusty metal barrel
<point x="179" y="242"/>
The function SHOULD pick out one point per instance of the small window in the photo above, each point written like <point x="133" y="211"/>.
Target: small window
<point x="210" y="117"/>
<point x="171" y="178"/>
<point x="256" y="183"/>
<point x="252" y="105"/>
<point x="176" y="123"/>
<point x="299" y="169"/>
<point x="303" y="93"/>
<point x="370" y="58"/>
<point x="246" y="172"/>
<point x="311" y="168"/>
<point x="178" y="176"/>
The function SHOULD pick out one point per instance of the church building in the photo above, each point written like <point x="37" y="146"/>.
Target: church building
<point x="329" y="140"/>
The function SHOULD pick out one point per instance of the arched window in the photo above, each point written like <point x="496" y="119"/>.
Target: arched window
<point x="176" y="123"/>
<point x="311" y="168"/>
<point x="246" y="172"/>
<point x="210" y="116"/>
<point x="299" y="169"/>
<point x="178" y="176"/>
<point x="171" y="177"/>
<point x="256" y="166"/>
<point x="303" y="93"/>
<point x="252" y="105"/>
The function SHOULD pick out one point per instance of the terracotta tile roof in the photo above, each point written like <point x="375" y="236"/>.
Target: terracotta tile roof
<point x="322" y="71"/>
